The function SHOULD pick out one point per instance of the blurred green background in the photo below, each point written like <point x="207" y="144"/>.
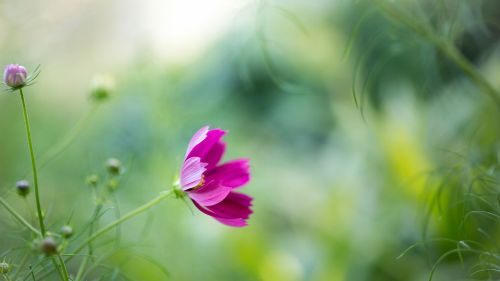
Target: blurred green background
<point x="365" y="132"/>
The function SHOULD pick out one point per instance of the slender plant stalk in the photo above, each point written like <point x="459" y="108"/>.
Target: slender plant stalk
<point x="56" y="266"/>
<point x="444" y="46"/>
<point x="63" y="271"/>
<point x="119" y="221"/>
<point x="64" y="268"/>
<point x="21" y="266"/>
<point x="68" y="138"/>
<point x="81" y="270"/>
<point x="19" y="217"/>
<point x="33" y="164"/>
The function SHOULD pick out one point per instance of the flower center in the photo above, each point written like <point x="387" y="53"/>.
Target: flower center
<point x="201" y="183"/>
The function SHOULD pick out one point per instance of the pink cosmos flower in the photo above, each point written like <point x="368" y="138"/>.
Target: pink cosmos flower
<point x="210" y="184"/>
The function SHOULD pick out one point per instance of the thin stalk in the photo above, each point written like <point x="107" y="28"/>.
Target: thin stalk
<point x="119" y="221"/>
<point x="81" y="270"/>
<point x="68" y="138"/>
<point x="33" y="164"/>
<point x="56" y="266"/>
<point x="444" y="46"/>
<point x="19" y="217"/>
<point x="83" y="265"/>
<point x="64" y="268"/>
<point x="92" y="225"/>
<point x="21" y="266"/>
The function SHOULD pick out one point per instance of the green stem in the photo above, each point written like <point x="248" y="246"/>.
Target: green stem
<point x="33" y="164"/>
<point x="56" y="266"/>
<point x="444" y="46"/>
<point x="83" y="265"/>
<point x="21" y="266"/>
<point x="68" y="139"/>
<point x="19" y="217"/>
<point x="119" y="221"/>
<point x="64" y="268"/>
<point x="81" y="270"/>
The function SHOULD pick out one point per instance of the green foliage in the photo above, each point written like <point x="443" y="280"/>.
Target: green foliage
<point x="372" y="129"/>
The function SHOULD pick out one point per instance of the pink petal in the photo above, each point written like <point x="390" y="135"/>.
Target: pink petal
<point x="234" y="210"/>
<point x="210" y="194"/>
<point x="203" y="148"/>
<point x="233" y="222"/>
<point x="197" y="138"/>
<point x="235" y="173"/>
<point x="214" y="155"/>
<point x="192" y="172"/>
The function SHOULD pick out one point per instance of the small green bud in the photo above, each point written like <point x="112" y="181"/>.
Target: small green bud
<point x="114" y="166"/>
<point x="102" y="87"/>
<point x="92" y="180"/>
<point x="23" y="187"/>
<point x="112" y="185"/>
<point x="48" y="246"/>
<point x="66" y="231"/>
<point x="4" y="267"/>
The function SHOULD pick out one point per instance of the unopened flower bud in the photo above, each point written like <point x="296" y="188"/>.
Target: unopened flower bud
<point x="101" y="88"/>
<point x="92" y="180"/>
<point x="66" y="231"/>
<point x="48" y="246"/>
<point x="15" y="76"/>
<point x="112" y="185"/>
<point x="23" y="187"/>
<point x="4" y="267"/>
<point x="114" y="166"/>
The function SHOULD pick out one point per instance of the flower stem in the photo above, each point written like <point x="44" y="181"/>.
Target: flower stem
<point x="117" y="222"/>
<point x="19" y="217"/>
<point x="64" y="268"/>
<point x="68" y="138"/>
<point x="33" y="164"/>
<point x="56" y="266"/>
<point x="124" y="218"/>
<point x="81" y="270"/>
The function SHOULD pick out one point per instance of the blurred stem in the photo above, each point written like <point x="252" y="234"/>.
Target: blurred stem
<point x="21" y="266"/>
<point x="56" y="266"/>
<point x="19" y="217"/>
<point x="68" y="138"/>
<point x="83" y="265"/>
<point x="6" y="277"/>
<point x="119" y="221"/>
<point x="81" y="270"/>
<point x="64" y="268"/>
<point x="445" y="47"/>
<point x="33" y="164"/>
<point x="98" y="209"/>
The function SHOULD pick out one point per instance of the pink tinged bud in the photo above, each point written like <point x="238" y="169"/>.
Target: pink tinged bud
<point x="15" y="75"/>
<point x="66" y="231"/>
<point x="23" y="187"/>
<point x="48" y="246"/>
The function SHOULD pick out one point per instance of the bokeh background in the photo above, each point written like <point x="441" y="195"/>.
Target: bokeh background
<point x="367" y="130"/>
